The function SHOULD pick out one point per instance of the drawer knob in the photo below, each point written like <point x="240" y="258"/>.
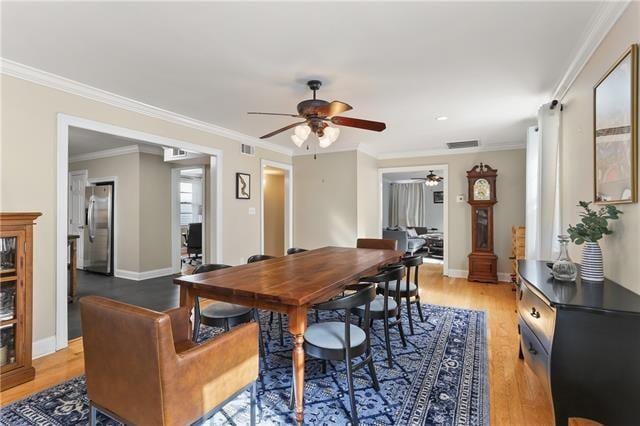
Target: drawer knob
<point x="532" y="349"/>
<point x="535" y="313"/>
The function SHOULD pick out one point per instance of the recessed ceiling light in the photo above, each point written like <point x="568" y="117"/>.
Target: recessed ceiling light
<point x="442" y="118"/>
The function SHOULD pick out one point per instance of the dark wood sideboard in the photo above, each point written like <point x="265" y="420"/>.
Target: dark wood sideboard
<point x="582" y="339"/>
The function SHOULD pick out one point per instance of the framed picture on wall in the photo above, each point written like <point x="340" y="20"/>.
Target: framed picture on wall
<point x="438" y="197"/>
<point x="243" y="186"/>
<point x="615" y="130"/>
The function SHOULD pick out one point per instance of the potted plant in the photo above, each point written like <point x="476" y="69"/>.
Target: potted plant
<point x="592" y="227"/>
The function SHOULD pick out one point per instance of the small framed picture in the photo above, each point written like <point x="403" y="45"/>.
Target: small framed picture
<point x="243" y="186"/>
<point x="438" y="197"/>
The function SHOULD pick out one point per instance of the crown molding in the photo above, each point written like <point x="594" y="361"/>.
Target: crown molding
<point x="599" y="26"/>
<point x="106" y="153"/>
<point x="446" y="151"/>
<point x="44" y="78"/>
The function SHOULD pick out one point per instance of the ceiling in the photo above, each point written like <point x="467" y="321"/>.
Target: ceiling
<point x="487" y="66"/>
<point x="82" y="141"/>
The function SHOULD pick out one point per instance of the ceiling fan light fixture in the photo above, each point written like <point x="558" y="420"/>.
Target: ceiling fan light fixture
<point x="324" y="141"/>
<point x="298" y="141"/>
<point x="332" y="133"/>
<point x="302" y="131"/>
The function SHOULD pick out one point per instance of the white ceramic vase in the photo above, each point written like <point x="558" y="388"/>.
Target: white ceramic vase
<point x="592" y="268"/>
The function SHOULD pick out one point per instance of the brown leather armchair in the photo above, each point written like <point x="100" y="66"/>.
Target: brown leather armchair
<point x="142" y="368"/>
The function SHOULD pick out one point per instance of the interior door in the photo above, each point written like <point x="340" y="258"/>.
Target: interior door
<point x="77" y="184"/>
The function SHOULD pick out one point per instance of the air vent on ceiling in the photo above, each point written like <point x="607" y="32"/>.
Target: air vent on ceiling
<point x="462" y="144"/>
<point x="248" y="149"/>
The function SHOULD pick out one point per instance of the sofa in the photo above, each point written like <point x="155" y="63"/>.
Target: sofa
<point x="407" y="243"/>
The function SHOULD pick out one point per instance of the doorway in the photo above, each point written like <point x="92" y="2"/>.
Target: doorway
<point x="277" y="208"/>
<point x="148" y="150"/>
<point x="189" y="189"/>
<point x="414" y="210"/>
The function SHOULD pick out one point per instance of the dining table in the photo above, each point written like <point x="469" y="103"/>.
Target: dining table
<point x="290" y="285"/>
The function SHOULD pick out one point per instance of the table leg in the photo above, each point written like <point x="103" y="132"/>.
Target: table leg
<point x="187" y="299"/>
<point x="297" y="327"/>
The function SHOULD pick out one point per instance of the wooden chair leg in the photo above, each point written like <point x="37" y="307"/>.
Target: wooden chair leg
<point x="281" y="330"/>
<point x="372" y="372"/>
<point x="271" y="318"/>
<point x="352" y="395"/>
<point x="387" y="341"/>
<point x="419" y="304"/>
<point x="408" y="299"/>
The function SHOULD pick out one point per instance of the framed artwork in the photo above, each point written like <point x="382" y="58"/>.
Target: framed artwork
<point x="243" y="186"/>
<point x="438" y="197"/>
<point x="615" y="130"/>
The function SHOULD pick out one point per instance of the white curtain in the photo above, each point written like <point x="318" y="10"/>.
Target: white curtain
<point x="543" y="187"/>
<point x="408" y="204"/>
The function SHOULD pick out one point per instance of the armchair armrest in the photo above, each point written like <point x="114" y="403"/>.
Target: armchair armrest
<point x="210" y="373"/>
<point x="180" y="323"/>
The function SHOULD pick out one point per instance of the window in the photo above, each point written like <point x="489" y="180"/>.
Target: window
<point x="186" y="206"/>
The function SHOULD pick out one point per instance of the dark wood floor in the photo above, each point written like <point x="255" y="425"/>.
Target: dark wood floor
<point x="157" y="294"/>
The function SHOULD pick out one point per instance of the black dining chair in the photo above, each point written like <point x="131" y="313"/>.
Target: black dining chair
<point x="221" y="314"/>
<point x="259" y="258"/>
<point x="385" y="307"/>
<point x="294" y="250"/>
<point x="408" y="290"/>
<point x="344" y="341"/>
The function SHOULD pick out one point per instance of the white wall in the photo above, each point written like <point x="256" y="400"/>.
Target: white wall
<point x="435" y="212"/>
<point x="325" y="200"/>
<point x="368" y="193"/>
<point x="29" y="131"/>
<point x="620" y="249"/>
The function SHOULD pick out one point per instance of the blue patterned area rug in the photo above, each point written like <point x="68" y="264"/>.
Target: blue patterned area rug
<point x="440" y="378"/>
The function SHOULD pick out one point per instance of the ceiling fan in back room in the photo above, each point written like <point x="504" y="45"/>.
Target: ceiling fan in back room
<point x="431" y="179"/>
<point x="321" y="118"/>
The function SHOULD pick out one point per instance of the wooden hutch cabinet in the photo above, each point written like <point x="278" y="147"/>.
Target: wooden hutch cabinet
<point x="16" y="270"/>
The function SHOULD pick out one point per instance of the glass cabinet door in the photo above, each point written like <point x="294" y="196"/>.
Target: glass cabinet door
<point x="482" y="229"/>
<point x="9" y="303"/>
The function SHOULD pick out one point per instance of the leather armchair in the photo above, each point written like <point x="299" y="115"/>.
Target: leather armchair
<point x="142" y="367"/>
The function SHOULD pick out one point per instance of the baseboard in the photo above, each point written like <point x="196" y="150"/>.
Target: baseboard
<point x="145" y="275"/>
<point x="43" y="347"/>
<point x="463" y="273"/>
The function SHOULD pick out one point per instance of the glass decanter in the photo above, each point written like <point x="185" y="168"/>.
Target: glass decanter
<point x="563" y="268"/>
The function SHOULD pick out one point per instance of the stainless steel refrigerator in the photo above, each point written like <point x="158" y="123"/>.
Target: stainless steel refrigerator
<point x="98" y="232"/>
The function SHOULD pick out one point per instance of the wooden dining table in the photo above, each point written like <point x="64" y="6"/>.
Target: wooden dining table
<point x="289" y="285"/>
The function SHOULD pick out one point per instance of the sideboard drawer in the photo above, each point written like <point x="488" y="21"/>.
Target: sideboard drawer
<point x="534" y="353"/>
<point x="539" y="316"/>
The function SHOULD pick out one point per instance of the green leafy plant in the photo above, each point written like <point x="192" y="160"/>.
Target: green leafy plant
<point x="593" y="224"/>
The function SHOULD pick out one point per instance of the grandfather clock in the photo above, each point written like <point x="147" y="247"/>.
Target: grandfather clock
<point x="483" y="263"/>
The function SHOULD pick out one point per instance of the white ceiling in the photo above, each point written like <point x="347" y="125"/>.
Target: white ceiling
<point x="82" y="141"/>
<point x="405" y="177"/>
<point x="488" y="66"/>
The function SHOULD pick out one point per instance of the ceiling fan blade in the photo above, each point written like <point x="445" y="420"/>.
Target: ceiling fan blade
<point x="290" y="126"/>
<point x="376" y="126"/>
<point x="274" y="113"/>
<point x="333" y="108"/>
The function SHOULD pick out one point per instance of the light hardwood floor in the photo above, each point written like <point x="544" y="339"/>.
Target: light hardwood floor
<point x="516" y="395"/>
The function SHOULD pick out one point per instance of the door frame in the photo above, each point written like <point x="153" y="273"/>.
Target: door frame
<point x="176" y="264"/>
<point x="64" y="122"/>
<point x="288" y="201"/>
<point x="445" y="210"/>
<point x="80" y="244"/>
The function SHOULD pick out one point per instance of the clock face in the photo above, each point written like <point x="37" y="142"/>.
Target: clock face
<point x="481" y="190"/>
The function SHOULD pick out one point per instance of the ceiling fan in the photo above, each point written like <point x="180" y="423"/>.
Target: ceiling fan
<point x="431" y="179"/>
<point x="318" y="114"/>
